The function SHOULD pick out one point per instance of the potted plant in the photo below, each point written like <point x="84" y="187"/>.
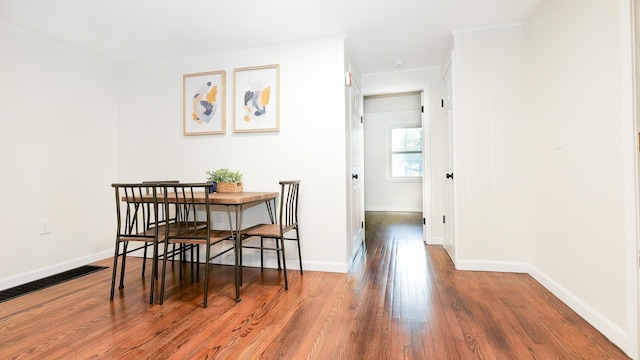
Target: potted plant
<point x="225" y="180"/>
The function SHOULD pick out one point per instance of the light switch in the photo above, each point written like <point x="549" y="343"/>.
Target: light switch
<point x="559" y="140"/>
<point x="45" y="226"/>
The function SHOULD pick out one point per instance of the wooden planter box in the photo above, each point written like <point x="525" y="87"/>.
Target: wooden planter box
<point x="227" y="187"/>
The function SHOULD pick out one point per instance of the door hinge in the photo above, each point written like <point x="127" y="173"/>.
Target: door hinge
<point x="424" y="221"/>
<point x="441" y="102"/>
<point x="361" y="119"/>
<point x="362" y="224"/>
<point x="443" y="220"/>
<point x="422" y="109"/>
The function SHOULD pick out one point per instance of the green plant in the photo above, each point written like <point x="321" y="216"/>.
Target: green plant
<point x="223" y="175"/>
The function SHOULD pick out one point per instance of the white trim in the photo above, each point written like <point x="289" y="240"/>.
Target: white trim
<point x="252" y="259"/>
<point x="427" y="186"/>
<point x="392" y="209"/>
<point x="488" y="265"/>
<point x="37" y="274"/>
<point x="630" y="176"/>
<point x="487" y="28"/>
<point x="436" y="240"/>
<point x="617" y="335"/>
<point x="398" y="71"/>
<point x="404" y="121"/>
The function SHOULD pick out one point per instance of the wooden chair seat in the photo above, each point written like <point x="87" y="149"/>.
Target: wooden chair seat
<point x="264" y="230"/>
<point x="199" y="238"/>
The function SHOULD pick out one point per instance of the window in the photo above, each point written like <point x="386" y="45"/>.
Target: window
<point x="405" y="152"/>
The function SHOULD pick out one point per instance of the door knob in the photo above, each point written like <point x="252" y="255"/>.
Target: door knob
<point x="354" y="176"/>
<point x="450" y="176"/>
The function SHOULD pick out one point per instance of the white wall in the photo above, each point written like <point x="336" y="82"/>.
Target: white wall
<point x="381" y="112"/>
<point x="58" y="140"/>
<point x="428" y="81"/>
<point x="310" y="145"/>
<point x="576" y="87"/>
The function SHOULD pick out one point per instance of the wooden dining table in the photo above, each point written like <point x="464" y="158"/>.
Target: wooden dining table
<point x="235" y="203"/>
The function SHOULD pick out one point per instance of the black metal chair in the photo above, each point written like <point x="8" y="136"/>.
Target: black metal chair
<point x="192" y="228"/>
<point x="287" y="222"/>
<point x="162" y="216"/>
<point x="140" y="222"/>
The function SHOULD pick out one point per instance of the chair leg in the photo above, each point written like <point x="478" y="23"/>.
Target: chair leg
<point x="275" y="241"/>
<point x="192" y="264"/>
<point x="144" y="259"/>
<point x="182" y="258"/>
<point x="299" y="252"/>
<point x="164" y="273"/>
<point x="154" y="272"/>
<point x="197" y="263"/>
<point x="284" y="265"/>
<point x="206" y="277"/>
<point x="124" y="263"/>
<point x="262" y="254"/>
<point x="115" y="269"/>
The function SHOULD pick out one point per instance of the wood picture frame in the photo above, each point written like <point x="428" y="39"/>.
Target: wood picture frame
<point x="256" y="99"/>
<point x="204" y="103"/>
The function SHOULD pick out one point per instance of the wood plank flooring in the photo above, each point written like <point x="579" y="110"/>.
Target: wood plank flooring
<point x="401" y="300"/>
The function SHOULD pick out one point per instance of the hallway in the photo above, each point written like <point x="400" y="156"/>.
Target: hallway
<point x="424" y="309"/>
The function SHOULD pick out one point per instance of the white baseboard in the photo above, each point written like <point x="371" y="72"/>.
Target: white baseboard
<point x="610" y="330"/>
<point x="33" y="275"/>
<point x="392" y="209"/>
<point x="498" y="266"/>
<point x="617" y="335"/>
<point x="435" y="241"/>
<point x="252" y="259"/>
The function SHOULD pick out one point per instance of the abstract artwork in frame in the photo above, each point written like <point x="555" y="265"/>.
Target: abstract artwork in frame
<point x="204" y="103"/>
<point x="257" y="98"/>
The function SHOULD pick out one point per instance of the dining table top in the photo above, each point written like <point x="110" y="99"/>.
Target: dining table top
<point x="231" y="198"/>
<point x="235" y="198"/>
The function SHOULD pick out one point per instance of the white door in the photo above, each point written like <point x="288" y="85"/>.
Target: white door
<point x="447" y="162"/>
<point x="357" y="169"/>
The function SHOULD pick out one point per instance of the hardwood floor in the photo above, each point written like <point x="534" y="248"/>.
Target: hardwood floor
<point x="401" y="300"/>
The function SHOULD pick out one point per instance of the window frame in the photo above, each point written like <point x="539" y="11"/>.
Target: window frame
<point x="390" y="126"/>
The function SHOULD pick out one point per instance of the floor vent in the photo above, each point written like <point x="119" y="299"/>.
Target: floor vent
<point x="52" y="280"/>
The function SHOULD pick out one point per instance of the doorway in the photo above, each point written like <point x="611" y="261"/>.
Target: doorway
<point x="393" y="152"/>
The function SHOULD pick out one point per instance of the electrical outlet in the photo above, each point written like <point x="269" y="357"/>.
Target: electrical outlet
<point x="45" y="226"/>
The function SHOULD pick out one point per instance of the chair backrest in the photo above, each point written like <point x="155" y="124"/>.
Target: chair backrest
<point x="136" y="209"/>
<point x="163" y="216"/>
<point x="289" y="204"/>
<point x="157" y="183"/>
<point x="192" y="208"/>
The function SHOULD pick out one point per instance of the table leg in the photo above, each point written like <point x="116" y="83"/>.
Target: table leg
<point x="237" y="245"/>
<point x="239" y="215"/>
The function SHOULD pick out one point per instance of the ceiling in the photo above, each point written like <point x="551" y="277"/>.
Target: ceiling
<point x="378" y="32"/>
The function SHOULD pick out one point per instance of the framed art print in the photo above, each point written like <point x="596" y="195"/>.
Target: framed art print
<point x="204" y="103"/>
<point x="257" y="99"/>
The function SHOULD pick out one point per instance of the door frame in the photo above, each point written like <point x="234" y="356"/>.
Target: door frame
<point x="425" y="120"/>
